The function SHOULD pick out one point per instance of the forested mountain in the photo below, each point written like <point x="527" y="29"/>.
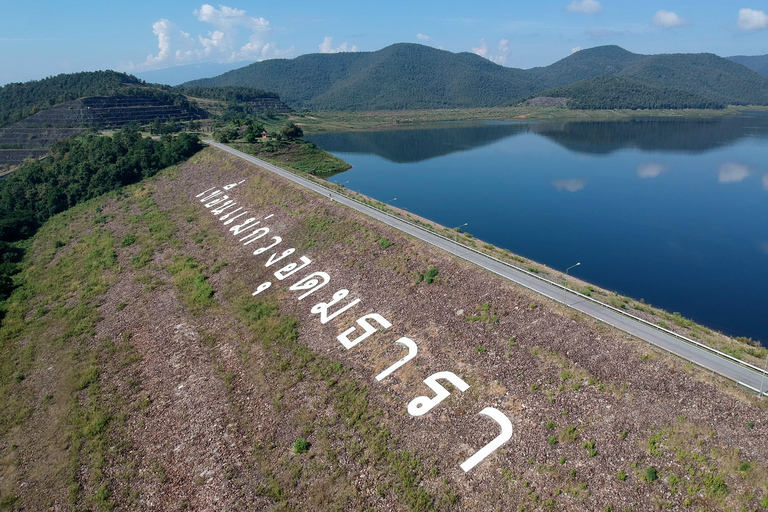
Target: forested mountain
<point x="758" y="63"/>
<point x="412" y="76"/>
<point x="396" y="77"/>
<point x="704" y="74"/>
<point x="20" y="100"/>
<point x="584" y="64"/>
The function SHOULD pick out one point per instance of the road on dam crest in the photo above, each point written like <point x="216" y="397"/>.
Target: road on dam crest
<point x="731" y="368"/>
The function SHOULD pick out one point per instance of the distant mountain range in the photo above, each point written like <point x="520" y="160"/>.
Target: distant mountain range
<point x="179" y="74"/>
<point x="757" y="63"/>
<point x="412" y="76"/>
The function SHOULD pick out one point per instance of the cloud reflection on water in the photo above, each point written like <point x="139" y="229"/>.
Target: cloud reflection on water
<point x="573" y="185"/>
<point x="731" y="172"/>
<point x="650" y="170"/>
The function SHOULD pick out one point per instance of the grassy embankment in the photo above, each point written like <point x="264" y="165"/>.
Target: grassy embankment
<point x="72" y="400"/>
<point x="298" y="155"/>
<point x="77" y="405"/>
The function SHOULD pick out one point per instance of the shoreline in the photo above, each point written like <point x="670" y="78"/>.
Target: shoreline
<point x="314" y="123"/>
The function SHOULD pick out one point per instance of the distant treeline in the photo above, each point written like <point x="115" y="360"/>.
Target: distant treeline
<point x="615" y="92"/>
<point x="78" y="169"/>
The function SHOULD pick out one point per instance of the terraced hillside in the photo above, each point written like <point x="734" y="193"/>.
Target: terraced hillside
<point x="31" y="137"/>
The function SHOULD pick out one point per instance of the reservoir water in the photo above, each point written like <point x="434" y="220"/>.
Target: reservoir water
<point x="674" y="211"/>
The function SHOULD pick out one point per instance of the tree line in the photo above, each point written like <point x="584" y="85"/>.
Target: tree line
<point x="77" y="169"/>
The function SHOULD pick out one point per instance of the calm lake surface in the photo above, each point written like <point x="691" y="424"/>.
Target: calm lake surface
<point x="669" y="210"/>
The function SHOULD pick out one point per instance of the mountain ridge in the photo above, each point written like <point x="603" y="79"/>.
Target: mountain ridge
<point x="413" y="76"/>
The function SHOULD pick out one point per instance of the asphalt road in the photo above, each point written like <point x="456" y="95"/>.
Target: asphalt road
<point x="688" y="350"/>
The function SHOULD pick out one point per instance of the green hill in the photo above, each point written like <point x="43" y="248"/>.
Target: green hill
<point x="705" y="74"/>
<point x="412" y="76"/>
<point x="20" y="100"/>
<point x="396" y="77"/>
<point x="758" y="63"/>
<point x="585" y="64"/>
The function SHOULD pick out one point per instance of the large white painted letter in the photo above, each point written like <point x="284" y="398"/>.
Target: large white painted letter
<point x="368" y="329"/>
<point x="262" y="287"/>
<point x="272" y="260"/>
<point x="276" y="239"/>
<point x="233" y="219"/>
<point x="205" y="192"/>
<point x="322" y="307"/>
<point x="255" y="235"/>
<point x="246" y="224"/>
<point x="222" y="207"/>
<point x="233" y="185"/>
<point x="211" y="196"/>
<point x="312" y="282"/>
<point x="217" y="201"/>
<point x="225" y="217"/>
<point x="412" y="350"/>
<point x="423" y="404"/>
<point x="505" y="435"/>
<point x="292" y="268"/>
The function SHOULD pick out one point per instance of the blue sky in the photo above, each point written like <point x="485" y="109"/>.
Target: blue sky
<point x="39" y="39"/>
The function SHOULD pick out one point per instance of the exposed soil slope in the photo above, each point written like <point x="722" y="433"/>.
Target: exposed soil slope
<point x="157" y="381"/>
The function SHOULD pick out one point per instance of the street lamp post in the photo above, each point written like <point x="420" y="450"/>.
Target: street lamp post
<point x="565" y="289"/>
<point x="458" y="230"/>
<point x="393" y="199"/>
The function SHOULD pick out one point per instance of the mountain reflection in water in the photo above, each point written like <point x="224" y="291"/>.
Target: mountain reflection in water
<point x="596" y="137"/>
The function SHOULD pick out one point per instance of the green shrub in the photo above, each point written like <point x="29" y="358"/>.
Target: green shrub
<point x="128" y="240"/>
<point x="301" y="445"/>
<point x="622" y="476"/>
<point x="715" y="485"/>
<point x="651" y="474"/>
<point x="431" y="274"/>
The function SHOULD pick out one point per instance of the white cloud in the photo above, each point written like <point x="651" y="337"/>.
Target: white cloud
<point x="733" y="172"/>
<point x="577" y="49"/>
<point x="499" y="57"/>
<point x="422" y="37"/>
<point x="481" y="50"/>
<point x="587" y="6"/>
<point x="222" y="44"/>
<point x="750" y="19"/>
<point x="668" y="19"/>
<point x="650" y="170"/>
<point x="327" y="46"/>
<point x="573" y="185"/>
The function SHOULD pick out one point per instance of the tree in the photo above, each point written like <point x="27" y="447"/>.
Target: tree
<point x="291" y="131"/>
